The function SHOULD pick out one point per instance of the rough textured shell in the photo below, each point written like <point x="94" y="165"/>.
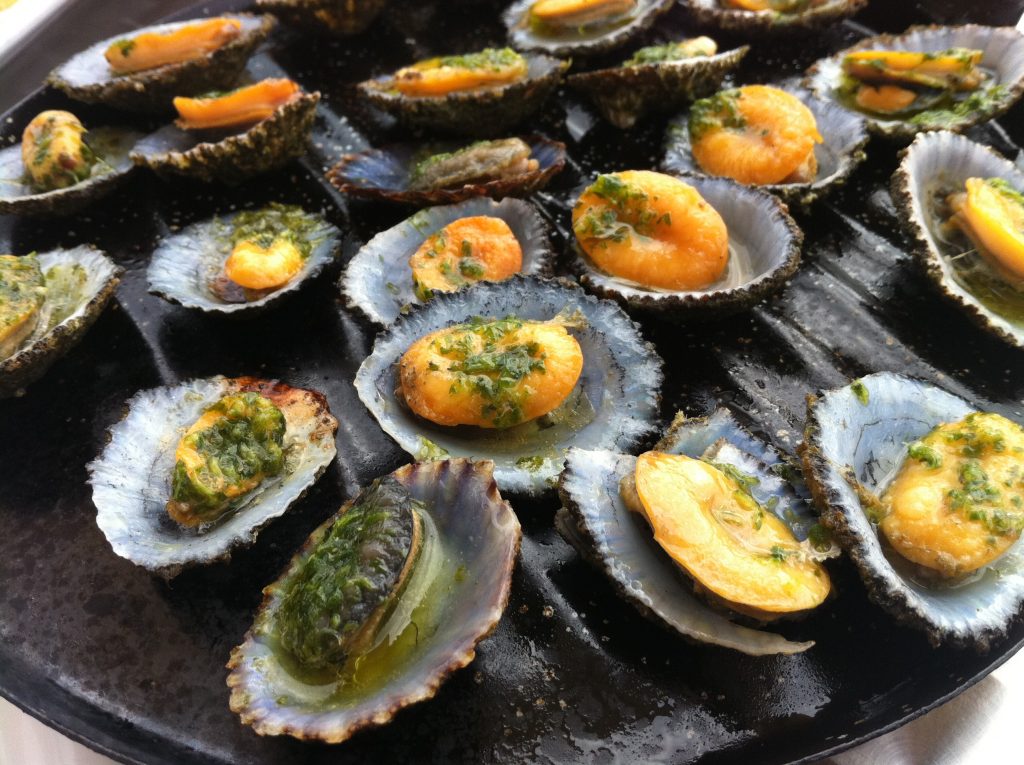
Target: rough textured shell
<point x="111" y="144"/>
<point x="710" y="13"/>
<point x="944" y="161"/>
<point x="582" y="42"/>
<point x="264" y="146"/>
<point x="870" y="439"/>
<point x="1003" y="49"/>
<point x="178" y="266"/>
<point x="35" y="357"/>
<point x="384" y="174"/>
<point x="626" y="94"/>
<point x="131" y="479"/>
<point x="481" y="529"/>
<point x="338" y="17"/>
<point x="485" y="112"/>
<point x="378" y="279"/>
<point x="619" y="542"/>
<point x="87" y="77"/>
<point x="844" y="136"/>
<point x="764" y="244"/>
<point x="621" y="378"/>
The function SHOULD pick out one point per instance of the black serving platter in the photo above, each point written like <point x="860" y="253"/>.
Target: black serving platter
<point x="134" y="667"/>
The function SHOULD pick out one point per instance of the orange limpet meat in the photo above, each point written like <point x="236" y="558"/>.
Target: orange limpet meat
<point x="664" y="234"/>
<point x="263" y="268"/>
<point x="578" y="12"/>
<point x="443" y="376"/>
<point x="994" y="222"/>
<point x="478" y="248"/>
<point x="775" y="144"/>
<point x="187" y="43"/>
<point x="440" y="76"/>
<point x="245" y="106"/>
<point x="723" y="539"/>
<point x="884" y="99"/>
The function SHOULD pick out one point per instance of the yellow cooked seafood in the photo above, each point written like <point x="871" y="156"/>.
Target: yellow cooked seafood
<point x="263" y="267"/>
<point x="54" y="151"/>
<point x="239" y="108"/>
<point x="953" y="69"/>
<point x="779" y="6"/>
<point x="468" y="250"/>
<point x="22" y="293"/>
<point x="186" y="43"/>
<point x="756" y="134"/>
<point x="652" y="229"/>
<point x="451" y="74"/>
<point x="990" y="213"/>
<point x="957" y="502"/>
<point x="712" y="527"/>
<point x="491" y="373"/>
<point x="234" y="445"/>
<point x="577" y="13"/>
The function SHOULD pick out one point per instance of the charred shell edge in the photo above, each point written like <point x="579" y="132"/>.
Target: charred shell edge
<point x="571" y="522"/>
<point x="845" y="137"/>
<point x="914" y="213"/>
<point x="709" y="13"/>
<point x="172" y="264"/>
<point x="323" y="426"/>
<point x="629" y="429"/>
<point x="275" y="721"/>
<point x="370" y="264"/>
<point x="153" y="90"/>
<point x="479" y="112"/>
<point x="348" y="17"/>
<point x="550" y="154"/>
<point x="265" y="146"/>
<point x="884" y="585"/>
<point x="30" y="363"/>
<point x="819" y="79"/>
<point x="69" y="200"/>
<point x="625" y="94"/>
<point x="771" y="214"/>
<point x="523" y="38"/>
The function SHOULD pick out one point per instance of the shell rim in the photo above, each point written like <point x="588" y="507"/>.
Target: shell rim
<point x="801" y="195"/>
<point x="514" y="15"/>
<point x="332" y="244"/>
<point x="629" y="441"/>
<point x="892" y="600"/>
<point x="927" y="256"/>
<point x="103" y="91"/>
<point x="715" y="302"/>
<point x="900" y="129"/>
<point x="250" y="533"/>
<point x="546" y="257"/>
<point x="513" y="186"/>
<point x="461" y="657"/>
<point x="770" y="22"/>
<point x="29" y="363"/>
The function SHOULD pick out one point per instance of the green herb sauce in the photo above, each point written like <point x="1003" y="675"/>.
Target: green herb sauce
<point x="236" y="452"/>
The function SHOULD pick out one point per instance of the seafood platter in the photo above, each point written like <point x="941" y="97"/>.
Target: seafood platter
<point x="547" y="380"/>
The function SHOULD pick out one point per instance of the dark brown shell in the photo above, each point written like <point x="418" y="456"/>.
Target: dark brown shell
<point x="625" y="94"/>
<point x="30" y="363"/>
<point x="384" y="174"/>
<point x="479" y="112"/>
<point x="265" y="146"/>
<point x="336" y="17"/>
<point x="709" y="13"/>
<point x="153" y="90"/>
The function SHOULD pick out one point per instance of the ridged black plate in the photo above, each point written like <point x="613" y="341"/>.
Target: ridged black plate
<point x="135" y="668"/>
